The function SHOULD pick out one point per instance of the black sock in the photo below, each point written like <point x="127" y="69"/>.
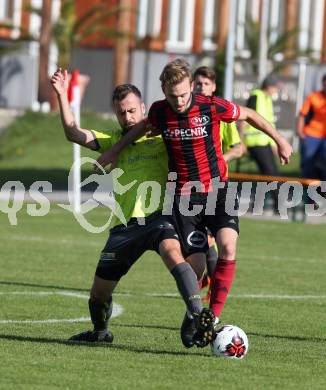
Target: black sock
<point x="187" y="285"/>
<point x="100" y="313"/>
<point x="211" y="259"/>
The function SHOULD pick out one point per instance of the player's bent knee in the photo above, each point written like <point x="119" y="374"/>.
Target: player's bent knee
<point x="170" y="252"/>
<point x="169" y="246"/>
<point x="102" y="289"/>
<point x="98" y="296"/>
<point x="227" y="251"/>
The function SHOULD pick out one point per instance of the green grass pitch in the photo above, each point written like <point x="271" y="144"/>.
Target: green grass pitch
<point x="278" y="298"/>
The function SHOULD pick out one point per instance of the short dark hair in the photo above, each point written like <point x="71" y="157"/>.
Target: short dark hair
<point x="271" y="80"/>
<point x="207" y="72"/>
<point x="122" y="90"/>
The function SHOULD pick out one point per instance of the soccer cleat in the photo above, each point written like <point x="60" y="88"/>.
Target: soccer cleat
<point x="187" y="331"/>
<point x="217" y="322"/>
<point x="205" y="331"/>
<point x="92" y="336"/>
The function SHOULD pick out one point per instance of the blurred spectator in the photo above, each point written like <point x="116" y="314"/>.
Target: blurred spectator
<point x="260" y="146"/>
<point x="311" y="130"/>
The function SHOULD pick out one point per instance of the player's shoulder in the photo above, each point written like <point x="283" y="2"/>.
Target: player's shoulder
<point x="159" y="104"/>
<point x="144" y="140"/>
<point x="199" y="98"/>
<point x="104" y="139"/>
<point x="112" y="133"/>
<point x="202" y="99"/>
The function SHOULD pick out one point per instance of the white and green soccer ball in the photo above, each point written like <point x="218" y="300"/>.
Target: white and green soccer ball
<point x="230" y="342"/>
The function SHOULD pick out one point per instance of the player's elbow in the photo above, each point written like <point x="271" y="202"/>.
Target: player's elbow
<point x="69" y="136"/>
<point x="72" y="133"/>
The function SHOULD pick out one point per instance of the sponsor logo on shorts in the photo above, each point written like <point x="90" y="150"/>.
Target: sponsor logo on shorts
<point x="107" y="256"/>
<point x="197" y="239"/>
<point x="166" y="225"/>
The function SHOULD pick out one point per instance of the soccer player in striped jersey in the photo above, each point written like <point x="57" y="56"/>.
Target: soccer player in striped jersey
<point x="232" y="148"/>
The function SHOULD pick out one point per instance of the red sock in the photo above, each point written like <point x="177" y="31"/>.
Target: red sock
<point x="221" y="284"/>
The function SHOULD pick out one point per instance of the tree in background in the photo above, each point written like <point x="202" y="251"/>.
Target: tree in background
<point x="282" y="47"/>
<point x="68" y="32"/>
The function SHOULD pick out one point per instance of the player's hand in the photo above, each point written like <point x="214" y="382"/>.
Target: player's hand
<point x="109" y="157"/>
<point x="284" y="150"/>
<point x="59" y="81"/>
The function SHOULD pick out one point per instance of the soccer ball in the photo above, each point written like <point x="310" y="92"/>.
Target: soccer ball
<point x="231" y="342"/>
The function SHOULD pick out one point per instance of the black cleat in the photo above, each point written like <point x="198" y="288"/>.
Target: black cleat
<point x="187" y="331"/>
<point x="205" y="332"/>
<point x="92" y="336"/>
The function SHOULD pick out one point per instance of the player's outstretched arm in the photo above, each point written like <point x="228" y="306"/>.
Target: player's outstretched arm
<point x="74" y="133"/>
<point x="284" y="149"/>
<point x="111" y="155"/>
<point x="236" y="151"/>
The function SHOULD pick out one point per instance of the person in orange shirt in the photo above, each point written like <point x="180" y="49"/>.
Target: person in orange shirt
<point x="311" y="129"/>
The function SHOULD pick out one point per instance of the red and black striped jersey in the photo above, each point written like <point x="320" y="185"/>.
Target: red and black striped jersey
<point x="192" y="138"/>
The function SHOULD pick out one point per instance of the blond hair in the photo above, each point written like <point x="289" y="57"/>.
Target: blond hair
<point x="175" y="72"/>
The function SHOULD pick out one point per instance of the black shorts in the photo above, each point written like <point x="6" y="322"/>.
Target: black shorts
<point x="191" y="228"/>
<point x="127" y="243"/>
